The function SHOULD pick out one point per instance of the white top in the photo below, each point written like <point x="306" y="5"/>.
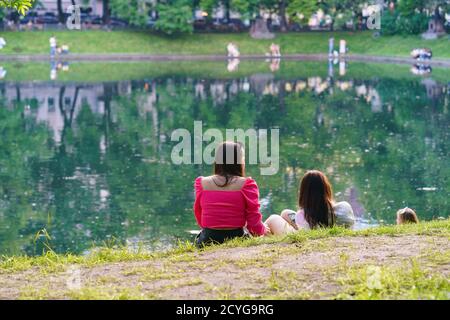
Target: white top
<point x="343" y="211"/>
<point x="2" y="73"/>
<point x="52" y="42"/>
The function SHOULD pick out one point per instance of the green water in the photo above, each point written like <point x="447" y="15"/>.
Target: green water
<point x="91" y="161"/>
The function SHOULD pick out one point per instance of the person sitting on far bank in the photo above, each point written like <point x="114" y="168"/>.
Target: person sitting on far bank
<point x="406" y="215"/>
<point x="2" y="42"/>
<point x="275" y="50"/>
<point x="317" y="208"/>
<point x="64" y="49"/>
<point x="53" y="45"/>
<point x="232" y="50"/>
<point x="227" y="202"/>
<point x="421" y="54"/>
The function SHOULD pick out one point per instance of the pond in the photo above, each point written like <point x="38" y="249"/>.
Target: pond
<point x="87" y="157"/>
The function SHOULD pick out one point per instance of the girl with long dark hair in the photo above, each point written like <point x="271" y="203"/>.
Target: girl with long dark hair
<point x="227" y="203"/>
<point x="317" y="207"/>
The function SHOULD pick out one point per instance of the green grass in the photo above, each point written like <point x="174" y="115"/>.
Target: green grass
<point x="409" y="281"/>
<point x="52" y="262"/>
<point x="156" y="275"/>
<point x="85" y="72"/>
<point x="146" y="43"/>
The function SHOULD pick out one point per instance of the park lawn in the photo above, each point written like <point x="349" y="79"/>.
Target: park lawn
<point x="387" y="262"/>
<point x="97" y="41"/>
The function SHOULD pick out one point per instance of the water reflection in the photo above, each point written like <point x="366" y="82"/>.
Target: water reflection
<point x="91" y="162"/>
<point x="56" y="66"/>
<point x="421" y="69"/>
<point x="233" y="64"/>
<point x="2" y="73"/>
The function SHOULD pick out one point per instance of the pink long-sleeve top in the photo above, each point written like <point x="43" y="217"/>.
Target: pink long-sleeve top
<point x="218" y="209"/>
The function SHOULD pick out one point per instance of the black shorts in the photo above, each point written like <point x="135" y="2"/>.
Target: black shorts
<point x="210" y="236"/>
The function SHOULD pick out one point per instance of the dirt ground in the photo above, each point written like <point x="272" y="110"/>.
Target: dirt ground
<point x="312" y="270"/>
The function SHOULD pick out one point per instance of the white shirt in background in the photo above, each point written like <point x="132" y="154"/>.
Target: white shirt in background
<point x="52" y="42"/>
<point x="343" y="211"/>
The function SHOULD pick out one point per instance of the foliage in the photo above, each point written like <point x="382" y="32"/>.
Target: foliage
<point x="301" y="10"/>
<point x="209" y="6"/>
<point x="389" y="22"/>
<point x="341" y="11"/>
<point x="175" y="16"/>
<point x="50" y="261"/>
<point x="249" y="9"/>
<point x="22" y="6"/>
<point x="414" y="24"/>
<point x="408" y="8"/>
<point x="410" y="18"/>
<point x="133" y="11"/>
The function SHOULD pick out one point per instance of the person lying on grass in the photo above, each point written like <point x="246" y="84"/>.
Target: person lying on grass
<point x="317" y="208"/>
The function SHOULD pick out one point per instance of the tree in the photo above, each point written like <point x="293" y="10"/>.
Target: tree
<point x="60" y="11"/>
<point x="438" y="7"/>
<point x="21" y="6"/>
<point x="210" y="5"/>
<point x="106" y="15"/>
<point x="2" y="15"/>
<point x="411" y="7"/>
<point x="250" y="9"/>
<point x="133" y="11"/>
<point x="282" y="13"/>
<point x="301" y="10"/>
<point x="175" y="16"/>
<point x="341" y="10"/>
<point x="412" y="17"/>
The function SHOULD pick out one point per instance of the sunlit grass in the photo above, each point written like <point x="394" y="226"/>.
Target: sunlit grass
<point x="86" y="72"/>
<point x="53" y="262"/>
<point x="420" y="277"/>
<point x="96" y="41"/>
<point x="436" y="227"/>
<point x="408" y="281"/>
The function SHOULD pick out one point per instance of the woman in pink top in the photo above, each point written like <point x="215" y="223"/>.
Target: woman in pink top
<point x="227" y="202"/>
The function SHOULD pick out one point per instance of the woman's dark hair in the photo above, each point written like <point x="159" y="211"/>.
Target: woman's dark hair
<point x="315" y="198"/>
<point x="229" y="161"/>
<point x="407" y="215"/>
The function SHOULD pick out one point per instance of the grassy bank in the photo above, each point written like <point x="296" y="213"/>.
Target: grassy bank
<point x="143" y="42"/>
<point x="85" y="72"/>
<point x="380" y="263"/>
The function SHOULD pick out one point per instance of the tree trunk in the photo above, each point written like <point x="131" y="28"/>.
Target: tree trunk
<point x="18" y="95"/>
<point x="227" y="10"/>
<point x="282" y="12"/>
<point x="281" y="96"/>
<point x="106" y="14"/>
<point x="60" y="11"/>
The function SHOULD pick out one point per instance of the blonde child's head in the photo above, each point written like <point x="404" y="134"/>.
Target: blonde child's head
<point x="406" y="215"/>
